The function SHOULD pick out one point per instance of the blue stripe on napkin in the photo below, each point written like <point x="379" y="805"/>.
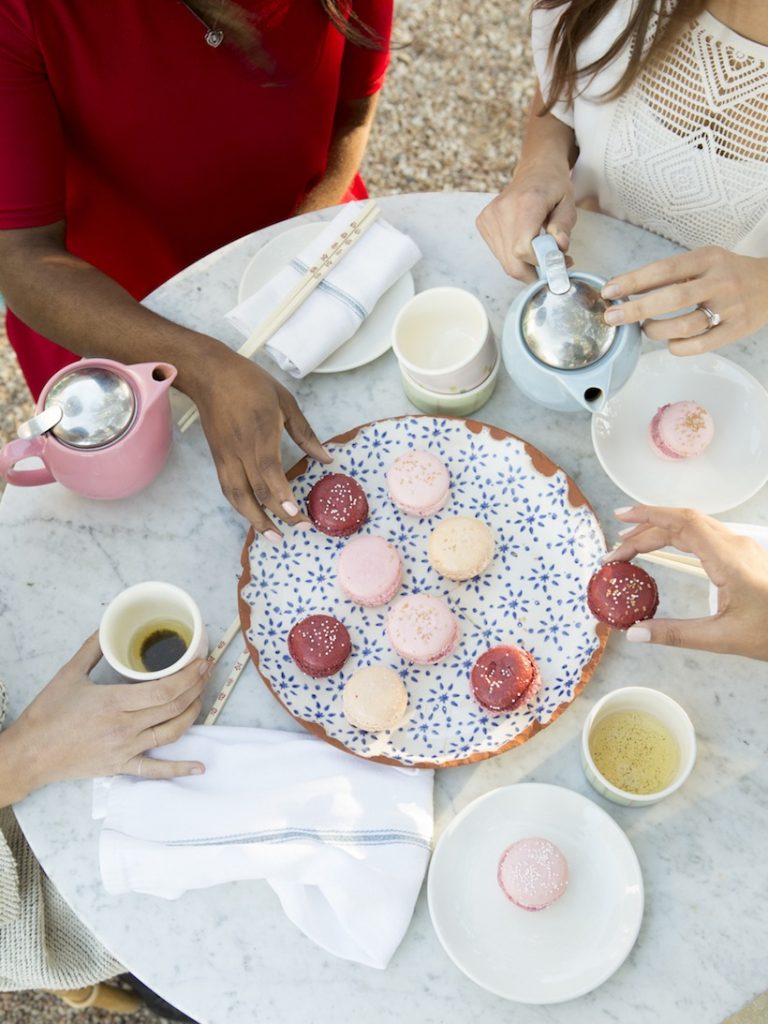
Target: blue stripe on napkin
<point x="369" y="837"/>
<point x="338" y="293"/>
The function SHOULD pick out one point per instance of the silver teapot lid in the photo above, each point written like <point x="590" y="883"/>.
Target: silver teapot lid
<point x="562" y="322"/>
<point x="90" y="407"/>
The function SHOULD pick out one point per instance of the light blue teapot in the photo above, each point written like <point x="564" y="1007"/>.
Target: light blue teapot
<point x="556" y="345"/>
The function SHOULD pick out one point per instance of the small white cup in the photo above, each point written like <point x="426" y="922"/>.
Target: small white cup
<point x="664" y="710"/>
<point x="443" y="340"/>
<point x="143" y="604"/>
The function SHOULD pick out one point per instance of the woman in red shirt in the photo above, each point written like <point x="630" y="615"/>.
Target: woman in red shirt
<point x="133" y="146"/>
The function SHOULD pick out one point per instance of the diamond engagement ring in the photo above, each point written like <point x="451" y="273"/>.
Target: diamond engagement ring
<point x="713" y="318"/>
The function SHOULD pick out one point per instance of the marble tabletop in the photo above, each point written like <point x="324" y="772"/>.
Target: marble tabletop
<point x="228" y="955"/>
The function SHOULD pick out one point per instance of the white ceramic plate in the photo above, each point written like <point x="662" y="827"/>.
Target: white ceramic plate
<point x="374" y="336"/>
<point x="731" y="470"/>
<point x="544" y="956"/>
<point x="548" y="544"/>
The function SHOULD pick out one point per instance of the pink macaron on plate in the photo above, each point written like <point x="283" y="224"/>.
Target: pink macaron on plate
<point x="547" y="544"/>
<point x="564" y="950"/>
<point x="727" y="472"/>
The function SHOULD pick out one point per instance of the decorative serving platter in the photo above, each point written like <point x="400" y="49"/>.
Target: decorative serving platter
<point x="548" y="544"/>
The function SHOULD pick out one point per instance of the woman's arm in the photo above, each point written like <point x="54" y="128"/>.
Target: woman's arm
<point x="77" y="729"/>
<point x="242" y="408"/>
<point x="539" y="195"/>
<point x="351" y="129"/>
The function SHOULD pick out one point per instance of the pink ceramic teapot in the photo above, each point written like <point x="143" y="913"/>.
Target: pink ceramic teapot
<point x="101" y="428"/>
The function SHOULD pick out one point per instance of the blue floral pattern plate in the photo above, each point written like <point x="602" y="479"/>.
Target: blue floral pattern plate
<point x="548" y="544"/>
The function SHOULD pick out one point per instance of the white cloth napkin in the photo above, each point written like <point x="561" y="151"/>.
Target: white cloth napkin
<point x="339" y="304"/>
<point x="343" y="842"/>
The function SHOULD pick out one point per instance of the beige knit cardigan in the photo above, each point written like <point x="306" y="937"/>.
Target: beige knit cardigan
<point x="43" y="944"/>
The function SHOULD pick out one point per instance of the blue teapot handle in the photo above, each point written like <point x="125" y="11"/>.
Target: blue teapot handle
<point x="551" y="263"/>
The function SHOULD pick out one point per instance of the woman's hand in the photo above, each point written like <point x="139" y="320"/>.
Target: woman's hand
<point x="77" y="729"/>
<point x="738" y="567"/>
<point x="734" y="287"/>
<point x="243" y="411"/>
<point x="539" y="195"/>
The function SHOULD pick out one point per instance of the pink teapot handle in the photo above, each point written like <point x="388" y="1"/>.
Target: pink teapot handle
<point x="24" y="449"/>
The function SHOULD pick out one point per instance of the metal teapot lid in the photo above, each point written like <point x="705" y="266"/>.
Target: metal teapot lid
<point x="562" y="323"/>
<point x="90" y="407"/>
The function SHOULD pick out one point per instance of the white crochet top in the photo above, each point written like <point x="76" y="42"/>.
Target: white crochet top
<point x="684" y="152"/>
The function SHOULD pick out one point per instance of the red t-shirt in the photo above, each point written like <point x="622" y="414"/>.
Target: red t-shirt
<point x="156" y="148"/>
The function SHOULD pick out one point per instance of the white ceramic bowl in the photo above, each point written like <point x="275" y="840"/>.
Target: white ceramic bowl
<point x="666" y="711"/>
<point x="463" y="403"/>
<point x="443" y="340"/>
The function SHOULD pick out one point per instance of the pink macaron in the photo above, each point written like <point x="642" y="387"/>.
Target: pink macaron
<point x="422" y="629"/>
<point x="418" y="483"/>
<point x="533" y="873"/>
<point x="681" y="430"/>
<point x="370" y="571"/>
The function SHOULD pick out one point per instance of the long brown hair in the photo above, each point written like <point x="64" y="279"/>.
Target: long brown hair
<point x="240" y="30"/>
<point x="581" y="17"/>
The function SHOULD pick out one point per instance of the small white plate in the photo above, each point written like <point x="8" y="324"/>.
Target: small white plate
<point x="544" y="956"/>
<point x="374" y="336"/>
<point x="731" y="470"/>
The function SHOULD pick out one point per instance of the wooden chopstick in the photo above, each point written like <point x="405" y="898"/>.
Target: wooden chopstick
<point x="680" y="563"/>
<point x="226" y="690"/>
<point x="319" y="270"/>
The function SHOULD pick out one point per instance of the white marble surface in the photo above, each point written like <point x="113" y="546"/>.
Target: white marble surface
<point x="228" y="955"/>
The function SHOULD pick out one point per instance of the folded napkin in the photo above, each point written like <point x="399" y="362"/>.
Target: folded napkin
<point x="343" y="842"/>
<point x="336" y="308"/>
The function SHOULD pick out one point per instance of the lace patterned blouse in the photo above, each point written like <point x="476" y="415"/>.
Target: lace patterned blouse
<point x="684" y="152"/>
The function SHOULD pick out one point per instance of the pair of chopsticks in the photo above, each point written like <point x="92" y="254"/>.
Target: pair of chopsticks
<point x="237" y="670"/>
<point x="319" y="270"/>
<point x="680" y="563"/>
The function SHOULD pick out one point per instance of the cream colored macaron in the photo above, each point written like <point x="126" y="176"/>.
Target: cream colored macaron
<point x="375" y="699"/>
<point x="461" y="547"/>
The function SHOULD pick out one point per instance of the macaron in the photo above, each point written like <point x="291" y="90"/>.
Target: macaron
<point x="460" y="547"/>
<point x="533" y="873"/>
<point x="374" y="699"/>
<point x="504" y="678"/>
<point x="621" y="594"/>
<point x="370" y="571"/>
<point x="681" y="430"/>
<point x="422" y="629"/>
<point x="319" y="645"/>
<point x="418" y="483"/>
<point x="337" y="505"/>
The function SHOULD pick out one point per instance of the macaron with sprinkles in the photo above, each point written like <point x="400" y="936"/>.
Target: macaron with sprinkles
<point x="505" y="677"/>
<point x="418" y="483"/>
<point x="621" y="594"/>
<point x="681" y="430"/>
<point x="533" y="873"/>
<point x="320" y="645"/>
<point x="337" y="505"/>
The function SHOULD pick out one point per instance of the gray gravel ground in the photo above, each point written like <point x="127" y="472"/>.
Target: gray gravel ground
<point x="450" y="119"/>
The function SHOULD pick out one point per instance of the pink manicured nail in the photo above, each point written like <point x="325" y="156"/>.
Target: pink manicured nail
<point x="623" y="510"/>
<point x="638" y="634"/>
<point x="290" y="509"/>
<point x="614" y="315"/>
<point x="327" y="455"/>
<point x="197" y="771"/>
<point x="303" y="526"/>
<point x="272" y="536"/>
<point x="611" y="291"/>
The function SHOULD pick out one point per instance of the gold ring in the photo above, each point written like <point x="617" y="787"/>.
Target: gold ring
<point x="141" y="762"/>
<point x="713" y="318"/>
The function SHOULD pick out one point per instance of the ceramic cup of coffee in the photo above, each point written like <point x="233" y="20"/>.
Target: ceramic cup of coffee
<point x="443" y="341"/>
<point x="151" y="630"/>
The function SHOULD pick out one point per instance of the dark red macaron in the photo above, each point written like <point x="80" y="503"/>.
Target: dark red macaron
<point x="621" y="594"/>
<point x="504" y="678"/>
<point x="337" y="505"/>
<point x="319" y="645"/>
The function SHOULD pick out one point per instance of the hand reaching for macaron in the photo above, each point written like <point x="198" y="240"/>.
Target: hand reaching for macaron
<point x="736" y="565"/>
